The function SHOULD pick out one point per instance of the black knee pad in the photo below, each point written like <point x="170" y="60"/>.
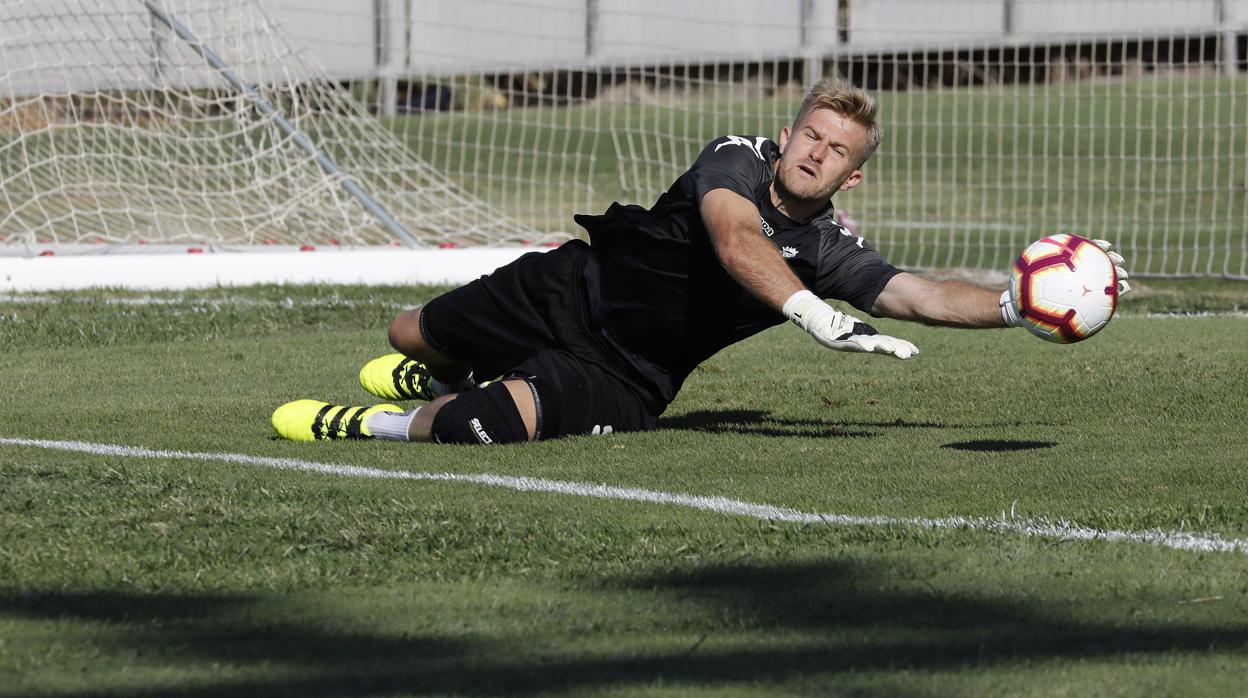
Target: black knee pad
<point x="483" y="416"/>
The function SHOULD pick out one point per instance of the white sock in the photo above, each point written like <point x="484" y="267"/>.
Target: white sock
<point x="390" y="426"/>
<point x="440" y="388"/>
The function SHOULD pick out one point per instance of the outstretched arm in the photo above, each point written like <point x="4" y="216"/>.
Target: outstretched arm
<point x="948" y="303"/>
<point x="735" y="228"/>
<point x="959" y="304"/>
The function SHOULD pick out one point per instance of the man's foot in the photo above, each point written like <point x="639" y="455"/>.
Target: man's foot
<point x="313" y="420"/>
<point x="396" y="377"/>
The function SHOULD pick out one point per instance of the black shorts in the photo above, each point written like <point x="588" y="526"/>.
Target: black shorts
<point x="530" y="319"/>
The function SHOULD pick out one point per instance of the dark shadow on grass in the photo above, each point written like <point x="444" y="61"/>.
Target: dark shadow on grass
<point x="941" y="631"/>
<point x="999" y="445"/>
<point x="118" y="608"/>
<point x="824" y="621"/>
<point x="758" y="423"/>
<point x="762" y="423"/>
<point x="225" y="627"/>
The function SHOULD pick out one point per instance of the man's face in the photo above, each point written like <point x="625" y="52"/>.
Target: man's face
<point x="819" y="155"/>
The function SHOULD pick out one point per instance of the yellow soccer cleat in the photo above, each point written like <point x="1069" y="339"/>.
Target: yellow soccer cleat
<point x="313" y="420"/>
<point x="396" y="377"/>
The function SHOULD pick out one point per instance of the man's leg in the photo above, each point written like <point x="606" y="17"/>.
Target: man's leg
<point x="408" y="339"/>
<point x="422" y="426"/>
<point x="480" y="330"/>
<point x="549" y="395"/>
<point x="420" y="371"/>
<point x="500" y="325"/>
<point x="499" y="413"/>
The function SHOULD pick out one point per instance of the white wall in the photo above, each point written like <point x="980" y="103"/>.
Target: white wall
<point x="54" y="46"/>
<point x="60" y="45"/>
<point x="643" y="29"/>
<point x="898" y="23"/>
<point x="451" y="35"/>
<point x="470" y="34"/>
<point x="338" y="34"/>
<point x="1113" y="16"/>
<point x="482" y="33"/>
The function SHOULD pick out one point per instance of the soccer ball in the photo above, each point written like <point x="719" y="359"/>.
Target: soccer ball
<point x="1065" y="288"/>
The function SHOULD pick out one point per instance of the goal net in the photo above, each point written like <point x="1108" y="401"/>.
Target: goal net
<point x="485" y="121"/>
<point x="115" y="129"/>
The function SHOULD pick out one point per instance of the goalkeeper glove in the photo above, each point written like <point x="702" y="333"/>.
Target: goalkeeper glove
<point x="1123" y="287"/>
<point x="1010" y="314"/>
<point x="836" y="330"/>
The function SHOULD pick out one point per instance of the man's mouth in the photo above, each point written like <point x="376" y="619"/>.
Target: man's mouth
<point x="808" y="170"/>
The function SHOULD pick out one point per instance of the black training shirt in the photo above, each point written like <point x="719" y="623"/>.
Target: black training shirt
<point x="659" y="293"/>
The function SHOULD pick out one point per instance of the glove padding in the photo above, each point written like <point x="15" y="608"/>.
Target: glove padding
<point x="1123" y="287"/>
<point x="836" y="330"/>
<point x="1011" y="315"/>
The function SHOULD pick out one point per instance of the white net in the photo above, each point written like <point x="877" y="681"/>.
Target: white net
<point x="114" y="129"/>
<point x="1120" y="119"/>
<point x="1005" y="120"/>
<point x="490" y="120"/>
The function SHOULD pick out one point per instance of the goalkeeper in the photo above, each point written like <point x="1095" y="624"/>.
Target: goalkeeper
<point x="598" y="337"/>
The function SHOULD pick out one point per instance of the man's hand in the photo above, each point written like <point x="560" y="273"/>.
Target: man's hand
<point x="836" y="330"/>
<point x="1123" y="287"/>
<point x="1013" y="318"/>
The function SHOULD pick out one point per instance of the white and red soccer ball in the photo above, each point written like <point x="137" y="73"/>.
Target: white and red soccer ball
<point x="1064" y="287"/>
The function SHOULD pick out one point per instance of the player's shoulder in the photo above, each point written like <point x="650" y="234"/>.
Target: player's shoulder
<point x="837" y="239"/>
<point x="827" y="224"/>
<point x="758" y="148"/>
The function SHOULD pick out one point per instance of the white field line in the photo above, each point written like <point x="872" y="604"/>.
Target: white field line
<point x="1040" y="528"/>
<point x="1188" y="316"/>
<point x="211" y="303"/>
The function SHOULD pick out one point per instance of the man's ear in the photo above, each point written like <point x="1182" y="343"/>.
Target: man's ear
<point x="784" y="138"/>
<point x="851" y="181"/>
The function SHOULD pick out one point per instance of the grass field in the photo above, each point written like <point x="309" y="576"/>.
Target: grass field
<point x="145" y="573"/>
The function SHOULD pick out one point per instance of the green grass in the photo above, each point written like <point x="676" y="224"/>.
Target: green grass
<point x="142" y="577"/>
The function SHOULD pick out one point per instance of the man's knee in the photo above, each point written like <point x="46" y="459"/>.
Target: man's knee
<point x="487" y="415"/>
<point x="408" y="335"/>
<point x="405" y="333"/>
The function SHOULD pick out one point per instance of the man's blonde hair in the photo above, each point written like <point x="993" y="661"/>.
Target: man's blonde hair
<point x="849" y="101"/>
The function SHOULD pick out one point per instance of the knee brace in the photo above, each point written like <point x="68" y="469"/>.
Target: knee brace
<point x="483" y="416"/>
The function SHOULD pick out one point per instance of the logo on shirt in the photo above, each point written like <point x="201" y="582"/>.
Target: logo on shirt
<point x="756" y="146"/>
<point x="788" y="252"/>
<point x="845" y="231"/>
<point x="767" y="228"/>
